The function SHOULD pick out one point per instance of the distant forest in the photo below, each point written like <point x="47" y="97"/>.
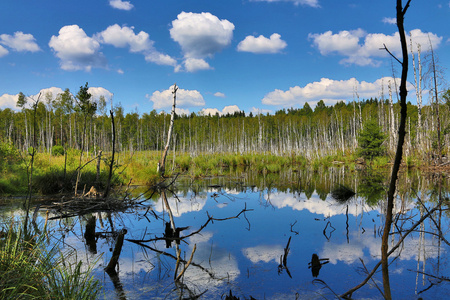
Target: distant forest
<point x="313" y="133"/>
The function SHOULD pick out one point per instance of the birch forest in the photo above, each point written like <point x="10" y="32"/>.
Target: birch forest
<point x="313" y="133"/>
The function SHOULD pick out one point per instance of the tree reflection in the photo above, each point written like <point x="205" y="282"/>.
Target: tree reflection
<point x="372" y="187"/>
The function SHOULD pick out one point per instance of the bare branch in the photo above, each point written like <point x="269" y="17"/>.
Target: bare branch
<point x="385" y="48"/>
<point x="406" y="7"/>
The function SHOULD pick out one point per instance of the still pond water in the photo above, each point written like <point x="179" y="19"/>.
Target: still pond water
<point x="267" y="251"/>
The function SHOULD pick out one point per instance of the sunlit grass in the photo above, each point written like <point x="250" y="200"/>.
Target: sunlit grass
<point x="58" y="173"/>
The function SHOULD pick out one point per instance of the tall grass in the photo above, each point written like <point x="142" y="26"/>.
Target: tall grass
<point x="28" y="270"/>
<point x="53" y="174"/>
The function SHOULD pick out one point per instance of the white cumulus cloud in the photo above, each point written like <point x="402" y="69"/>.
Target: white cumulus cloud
<point x="50" y="93"/>
<point x="76" y="50"/>
<point x="348" y="44"/>
<point x="3" y="51"/>
<point x="261" y="44"/>
<point x="312" y="3"/>
<point x="19" y="42"/>
<point x="125" y="37"/>
<point x="8" y="101"/>
<point x="160" y="59"/>
<point x="185" y="98"/>
<point x="328" y="90"/>
<point x="210" y="112"/>
<point x="119" y="4"/>
<point x="201" y="35"/>
<point x="231" y="109"/>
<point x="219" y="94"/>
<point x="97" y="92"/>
<point x="196" y="64"/>
<point x="392" y="21"/>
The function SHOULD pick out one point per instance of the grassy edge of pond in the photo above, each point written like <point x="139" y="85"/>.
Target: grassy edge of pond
<point x="53" y="174"/>
<point x="29" y="270"/>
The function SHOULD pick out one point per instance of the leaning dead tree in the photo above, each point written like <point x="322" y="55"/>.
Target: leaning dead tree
<point x="401" y="11"/>
<point x="162" y="162"/>
<point x="385" y="252"/>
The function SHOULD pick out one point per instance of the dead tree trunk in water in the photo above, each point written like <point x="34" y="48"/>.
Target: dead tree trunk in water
<point x="398" y="155"/>
<point x="162" y="163"/>
<point x="111" y="165"/>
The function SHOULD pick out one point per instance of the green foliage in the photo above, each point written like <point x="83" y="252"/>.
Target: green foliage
<point x="31" y="150"/>
<point x="370" y="140"/>
<point x="21" y="100"/>
<point x="380" y="162"/>
<point x="8" y="156"/>
<point x="57" y="150"/>
<point x="86" y="106"/>
<point x="52" y="180"/>
<point x="13" y="184"/>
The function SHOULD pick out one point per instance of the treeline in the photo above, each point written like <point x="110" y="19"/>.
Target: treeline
<point x="313" y="133"/>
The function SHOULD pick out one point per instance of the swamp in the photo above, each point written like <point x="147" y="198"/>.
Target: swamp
<point x="348" y="201"/>
<point x="298" y="234"/>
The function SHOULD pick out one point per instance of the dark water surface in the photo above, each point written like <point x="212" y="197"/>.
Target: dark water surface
<point x="249" y="255"/>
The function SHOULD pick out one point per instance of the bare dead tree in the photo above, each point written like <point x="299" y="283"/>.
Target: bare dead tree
<point x="401" y="11"/>
<point x="162" y="163"/>
<point x="392" y="135"/>
<point x="111" y="165"/>
<point x="418" y="87"/>
<point x="433" y="75"/>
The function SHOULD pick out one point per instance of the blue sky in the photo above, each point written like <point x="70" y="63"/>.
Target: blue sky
<point x="252" y="55"/>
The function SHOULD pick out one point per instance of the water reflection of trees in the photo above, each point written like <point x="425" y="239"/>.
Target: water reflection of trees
<point x="372" y="186"/>
<point x="415" y="190"/>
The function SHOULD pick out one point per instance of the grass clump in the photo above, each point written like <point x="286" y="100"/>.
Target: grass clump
<point x="29" y="271"/>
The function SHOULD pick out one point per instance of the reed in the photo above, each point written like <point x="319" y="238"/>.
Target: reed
<point x="28" y="270"/>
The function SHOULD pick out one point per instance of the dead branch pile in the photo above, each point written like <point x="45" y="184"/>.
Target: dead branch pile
<point x="75" y="206"/>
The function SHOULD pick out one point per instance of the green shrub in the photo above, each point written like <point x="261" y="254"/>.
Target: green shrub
<point x="370" y="140"/>
<point x="57" y="150"/>
<point x="8" y="156"/>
